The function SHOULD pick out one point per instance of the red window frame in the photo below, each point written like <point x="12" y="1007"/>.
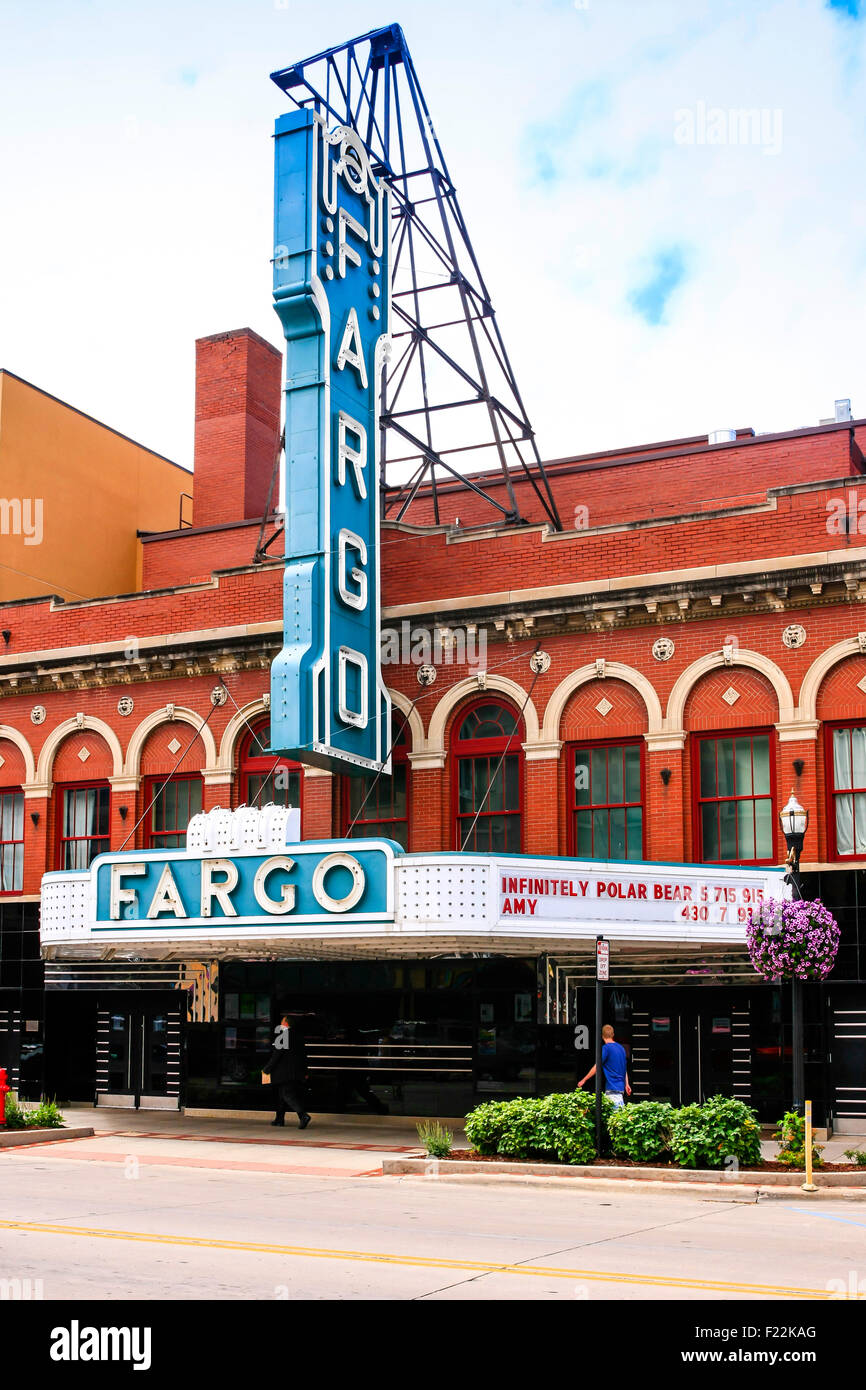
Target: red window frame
<point x="4" y="844"/>
<point x="60" y="839"/>
<point x="374" y="813"/>
<point x="573" y="808"/>
<point x="490" y="748"/>
<point x="263" y="765"/>
<point x="830" y="788"/>
<point x="715" y="735"/>
<point x="156" y="839"/>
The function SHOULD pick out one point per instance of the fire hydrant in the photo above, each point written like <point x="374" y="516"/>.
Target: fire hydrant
<point x="4" y="1091"/>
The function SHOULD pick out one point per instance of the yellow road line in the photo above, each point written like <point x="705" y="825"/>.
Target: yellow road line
<point x="423" y="1261"/>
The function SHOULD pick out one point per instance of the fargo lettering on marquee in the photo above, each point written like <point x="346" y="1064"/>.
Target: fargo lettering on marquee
<point x="329" y="705"/>
<point x="302" y="884"/>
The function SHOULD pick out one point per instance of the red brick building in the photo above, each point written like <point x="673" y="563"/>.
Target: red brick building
<point x="702" y="610"/>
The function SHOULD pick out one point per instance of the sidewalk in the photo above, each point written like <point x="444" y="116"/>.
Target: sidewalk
<point x="133" y="1143"/>
<point x="376" y="1133"/>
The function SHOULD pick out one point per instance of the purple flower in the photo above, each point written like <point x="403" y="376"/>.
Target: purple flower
<point x="788" y="940"/>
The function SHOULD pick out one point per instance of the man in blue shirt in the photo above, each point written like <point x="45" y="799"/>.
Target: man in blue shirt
<point x="614" y="1064"/>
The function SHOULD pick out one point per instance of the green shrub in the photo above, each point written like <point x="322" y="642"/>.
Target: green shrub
<point x="45" y="1115"/>
<point x="704" y="1136"/>
<point x="484" y="1125"/>
<point x="791" y="1136"/>
<point x="517" y="1139"/>
<point x="559" y="1126"/>
<point x="564" y="1127"/>
<point x="857" y="1156"/>
<point x="643" y="1131"/>
<point x="16" y="1118"/>
<point x="436" y="1140"/>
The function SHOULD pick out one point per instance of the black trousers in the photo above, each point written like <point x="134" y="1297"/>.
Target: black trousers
<point x="290" y="1096"/>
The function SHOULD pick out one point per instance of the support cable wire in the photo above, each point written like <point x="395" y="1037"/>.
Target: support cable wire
<point x="375" y="780"/>
<point x="423" y="694"/>
<point x="492" y="780"/>
<point x="162" y="788"/>
<point x="261" y="550"/>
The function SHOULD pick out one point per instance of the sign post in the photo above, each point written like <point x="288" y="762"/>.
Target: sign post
<point x="809" y="1185"/>
<point x="602" y="975"/>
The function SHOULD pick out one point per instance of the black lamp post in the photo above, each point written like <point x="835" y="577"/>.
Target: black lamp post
<point x="795" y="822"/>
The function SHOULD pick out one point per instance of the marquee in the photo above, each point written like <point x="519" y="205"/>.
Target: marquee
<point x="246" y="885"/>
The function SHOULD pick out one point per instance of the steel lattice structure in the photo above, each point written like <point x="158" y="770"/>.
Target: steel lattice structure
<point x="449" y="389"/>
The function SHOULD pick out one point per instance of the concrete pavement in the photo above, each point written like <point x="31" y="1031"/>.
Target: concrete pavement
<point x="139" y="1213"/>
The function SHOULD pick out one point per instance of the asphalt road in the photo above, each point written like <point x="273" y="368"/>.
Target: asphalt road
<point x="147" y="1218"/>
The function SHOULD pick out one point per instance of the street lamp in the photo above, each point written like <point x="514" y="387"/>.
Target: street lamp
<point x="794" y="822"/>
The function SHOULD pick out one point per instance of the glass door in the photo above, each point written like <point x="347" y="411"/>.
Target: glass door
<point x="664" y="1049"/>
<point x="714" y="1038"/>
<point x="138" y="1055"/>
<point x="690" y="1054"/>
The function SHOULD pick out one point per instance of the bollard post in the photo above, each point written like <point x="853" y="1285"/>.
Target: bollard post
<point x="808" y="1185"/>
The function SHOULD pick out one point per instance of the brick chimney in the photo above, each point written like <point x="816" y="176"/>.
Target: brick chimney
<point x="237" y="420"/>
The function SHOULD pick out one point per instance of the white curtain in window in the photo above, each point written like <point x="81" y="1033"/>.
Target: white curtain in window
<point x="849" y="773"/>
<point x="858" y="770"/>
<point x="841" y="760"/>
<point x="845" y="824"/>
<point x="12" y="852"/>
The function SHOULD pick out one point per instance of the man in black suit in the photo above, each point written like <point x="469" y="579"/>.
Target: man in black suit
<point x="287" y="1068"/>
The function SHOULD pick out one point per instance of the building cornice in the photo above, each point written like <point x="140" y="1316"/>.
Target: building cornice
<point x="765" y="585"/>
<point x="204" y="652"/>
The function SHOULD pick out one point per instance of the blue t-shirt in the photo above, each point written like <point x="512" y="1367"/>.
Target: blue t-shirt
<point x="613" y="1064"/>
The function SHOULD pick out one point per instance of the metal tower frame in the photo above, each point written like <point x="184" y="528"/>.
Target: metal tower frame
<point x="450" y="388"/>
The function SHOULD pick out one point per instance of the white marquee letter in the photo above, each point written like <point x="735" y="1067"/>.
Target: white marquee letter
<point x="167" y="896"/>
<point x="287" y="891"/>
<point x="351" y="350"/>
<point x="123" y="895"/>
<point x="221" y="890"/>
<point x="356" y="457"/>
<point x="355" y="893"/>
<point x="344" y="250"/>
<point x="356" y="717"/>
<point x="345" y="541"/>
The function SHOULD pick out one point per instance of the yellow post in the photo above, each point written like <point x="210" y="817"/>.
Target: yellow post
<point x="808" y="1185"/>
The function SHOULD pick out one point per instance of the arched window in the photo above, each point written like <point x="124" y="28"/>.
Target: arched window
<point x="386" y="810"/>
<point x="261" y="778"/>
<point x="488" y="797"/>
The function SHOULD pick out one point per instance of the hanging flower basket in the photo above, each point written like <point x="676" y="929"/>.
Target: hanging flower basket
<point x="792" y="940"/>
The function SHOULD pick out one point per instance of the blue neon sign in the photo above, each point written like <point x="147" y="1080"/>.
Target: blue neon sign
<point x="329" y="705"/>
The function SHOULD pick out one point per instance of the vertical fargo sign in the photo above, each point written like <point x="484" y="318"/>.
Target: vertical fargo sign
<point x="329" y="705"/>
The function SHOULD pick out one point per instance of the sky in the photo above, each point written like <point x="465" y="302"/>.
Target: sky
<point x="659" y="266"/>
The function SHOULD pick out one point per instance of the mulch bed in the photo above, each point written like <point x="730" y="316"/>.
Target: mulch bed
<point x="767" y="1166"/>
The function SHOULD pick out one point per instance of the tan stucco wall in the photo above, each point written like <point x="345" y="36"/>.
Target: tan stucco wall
<point x="96" y="487"/>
